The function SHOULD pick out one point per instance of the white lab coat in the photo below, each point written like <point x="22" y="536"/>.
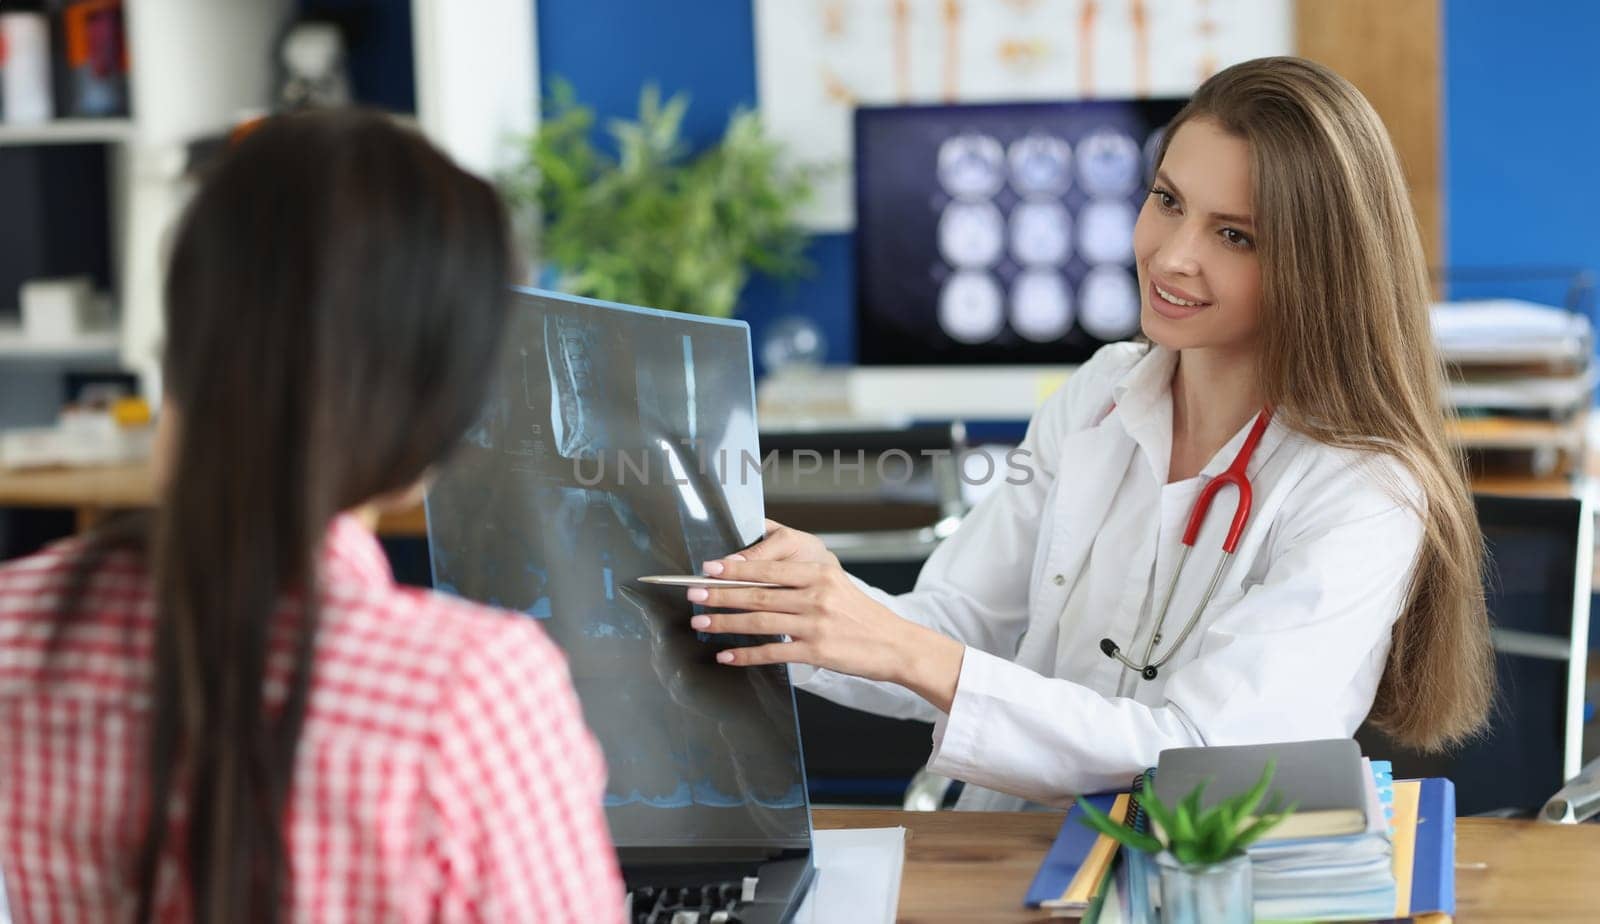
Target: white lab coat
<point x="1291" y="647"/>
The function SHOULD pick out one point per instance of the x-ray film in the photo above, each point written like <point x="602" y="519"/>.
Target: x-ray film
<point x="617" y="443"/>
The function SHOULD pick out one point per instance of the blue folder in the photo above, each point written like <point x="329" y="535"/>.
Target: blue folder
<point x="1433" y="870"/>
<point x="1067" y="854"/>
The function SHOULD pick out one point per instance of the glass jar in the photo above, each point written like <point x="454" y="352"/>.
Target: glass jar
<point x="1218" y="893"/>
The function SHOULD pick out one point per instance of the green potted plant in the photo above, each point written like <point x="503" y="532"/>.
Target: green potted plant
<point x="1205" y="872"/>
<point x="658" y="224"/>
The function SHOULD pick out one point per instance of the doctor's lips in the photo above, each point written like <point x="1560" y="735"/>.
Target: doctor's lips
<point x="1173" y="302"/>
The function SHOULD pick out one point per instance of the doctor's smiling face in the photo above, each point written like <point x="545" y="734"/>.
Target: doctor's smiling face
<point x="1195" y="244"/>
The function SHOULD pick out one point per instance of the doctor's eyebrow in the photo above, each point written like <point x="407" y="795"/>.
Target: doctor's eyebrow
<point x="1163" y="179"/>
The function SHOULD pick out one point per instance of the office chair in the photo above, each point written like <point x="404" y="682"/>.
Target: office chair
<point x="1577" y="801"/>
<point x="1540" y="566"/>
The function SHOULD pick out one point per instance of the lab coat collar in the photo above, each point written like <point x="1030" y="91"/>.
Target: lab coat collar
<point x="1141" y="389"/>
<point x="1143" y="402"/>
<point x="1143" y="399"/>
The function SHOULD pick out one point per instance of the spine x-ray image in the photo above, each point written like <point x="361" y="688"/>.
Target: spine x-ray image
<point x="618" y="443"/>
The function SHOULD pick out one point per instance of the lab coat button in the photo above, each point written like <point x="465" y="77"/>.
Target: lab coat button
<point x="1059" y="579"/>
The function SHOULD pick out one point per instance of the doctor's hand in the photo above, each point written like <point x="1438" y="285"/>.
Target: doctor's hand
<point x="785" y="543"/>
<point x="831" y="623"/>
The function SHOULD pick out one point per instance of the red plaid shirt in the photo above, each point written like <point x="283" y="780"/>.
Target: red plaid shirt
<point x="444" y="772"/>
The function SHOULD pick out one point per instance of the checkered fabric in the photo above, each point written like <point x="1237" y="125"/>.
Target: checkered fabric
<point x="444" y="772"/>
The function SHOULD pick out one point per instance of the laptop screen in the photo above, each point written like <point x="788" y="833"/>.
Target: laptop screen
<point x="619" y="442"/>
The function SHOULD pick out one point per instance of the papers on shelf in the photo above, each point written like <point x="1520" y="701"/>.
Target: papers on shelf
<point x="1524" y="392"/>
<point x="1510" y="331"/>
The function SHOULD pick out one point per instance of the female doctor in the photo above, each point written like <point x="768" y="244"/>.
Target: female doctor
<point x="1065" y="634"/>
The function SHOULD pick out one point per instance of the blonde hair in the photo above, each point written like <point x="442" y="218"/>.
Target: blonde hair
<point x="1347" y="357"/>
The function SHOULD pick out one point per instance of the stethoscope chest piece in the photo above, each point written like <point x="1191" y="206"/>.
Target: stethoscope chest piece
<point x="1110" y="650"/>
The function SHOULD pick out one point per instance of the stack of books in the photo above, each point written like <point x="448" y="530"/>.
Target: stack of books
<point x="1359" y="846"/>
<point x="1522" y="378"/>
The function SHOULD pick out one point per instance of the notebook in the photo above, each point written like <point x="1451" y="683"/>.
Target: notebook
<point x="1338" y="877"/>
<point x="1323" y="779"/>
<point x="1425" y="849"/>
<point x="1078" y="861"/>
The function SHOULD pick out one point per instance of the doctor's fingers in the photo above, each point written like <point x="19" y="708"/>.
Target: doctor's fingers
<point x="775" y="653"/>
<point x="795" y="574"/>
<point x="785" y="542"/>
<point x="779" y="600"/>
<point x="762" y="623"/>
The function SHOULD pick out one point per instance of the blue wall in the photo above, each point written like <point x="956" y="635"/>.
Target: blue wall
<point x="1522" y="136"/>
<point x="609" y="49"/>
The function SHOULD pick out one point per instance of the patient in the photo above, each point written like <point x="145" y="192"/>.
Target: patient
<point x="227" y="710"/>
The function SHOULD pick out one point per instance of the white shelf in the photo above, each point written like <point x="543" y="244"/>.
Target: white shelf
<point x="94" y="346"/>
<point x="68" y="131"/>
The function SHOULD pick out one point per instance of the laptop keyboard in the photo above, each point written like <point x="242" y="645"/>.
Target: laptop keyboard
<point x="715" y="903"/>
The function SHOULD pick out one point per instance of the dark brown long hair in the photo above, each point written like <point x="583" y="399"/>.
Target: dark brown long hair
<point x="335" y="295"/>
<point x="1347" y="358"/>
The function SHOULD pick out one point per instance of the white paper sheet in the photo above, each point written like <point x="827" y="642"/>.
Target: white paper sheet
<point x="858" y="876"/>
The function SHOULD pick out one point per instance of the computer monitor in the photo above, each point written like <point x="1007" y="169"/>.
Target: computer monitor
<point x="620" y="442"/>
<point x="1541" y="552"/>
<point x="1000" y="233"/>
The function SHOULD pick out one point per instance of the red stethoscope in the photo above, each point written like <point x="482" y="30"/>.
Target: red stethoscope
<point x="1233" y="475"/>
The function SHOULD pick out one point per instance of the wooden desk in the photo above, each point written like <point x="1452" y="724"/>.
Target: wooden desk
<point x="963" y="866"/>
<point x="94" y="492"/>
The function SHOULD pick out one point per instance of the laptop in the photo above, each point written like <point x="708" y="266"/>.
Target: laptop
<point x="620" y="442"/>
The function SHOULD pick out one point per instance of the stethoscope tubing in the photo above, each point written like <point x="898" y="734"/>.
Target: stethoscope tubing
<point x="1234" y="475"/>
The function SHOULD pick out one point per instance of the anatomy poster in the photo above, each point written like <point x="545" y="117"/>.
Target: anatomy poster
<point x="819" y="59"/>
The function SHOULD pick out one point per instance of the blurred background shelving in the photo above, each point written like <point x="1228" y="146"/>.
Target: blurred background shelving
<point x="97" y="196"/>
